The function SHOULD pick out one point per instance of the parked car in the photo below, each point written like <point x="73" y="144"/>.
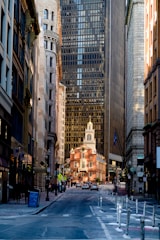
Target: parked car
<point x="85" y="186"/>
<point x="94" y="187"/>
<point x="78" y="185"/>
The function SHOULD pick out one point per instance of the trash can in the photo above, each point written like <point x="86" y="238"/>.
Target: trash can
<point x="33" y="199"/>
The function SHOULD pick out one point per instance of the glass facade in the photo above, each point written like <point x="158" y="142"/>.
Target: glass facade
<point x="83" y="29"/>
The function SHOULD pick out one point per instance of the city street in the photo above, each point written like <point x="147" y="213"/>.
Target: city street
<point x="84" y="214"/>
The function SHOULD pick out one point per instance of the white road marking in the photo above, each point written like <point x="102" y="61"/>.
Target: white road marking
<point x="106" y="232"/>
<point x="88" y="215"/>
<point x="44" y="232"/>
<point x="92" y="210"/>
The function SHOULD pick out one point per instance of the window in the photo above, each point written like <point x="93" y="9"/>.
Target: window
<point x="83" y="164"/>
<point x="89" y="137"/>
<point x="50" y="110"/>
<point x="50" y="94"/>
<point x="7" y="76"/>
<point x="52" y="16"/>
<point x="50" y="78"/>
<point x="6" y="132"/>
<point x="45" y="27"/>
<point x="8" y="38"/>
<point x="1" y="59"/>
<point x="90" y="164"/>
<point x="49" y="127"/>
<point x="45" y="44"/>
<point x="51" y="61"/>
<point x="51" y="28"/>
<point x="51" y="45"/>
<point x="45" y="14"/>
<point x="2" y="25"/>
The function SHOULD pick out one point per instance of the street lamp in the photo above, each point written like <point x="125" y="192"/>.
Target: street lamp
<point x="47" y="188"/>
<point x="129" y="178"/>
<point x="47" y="176"/>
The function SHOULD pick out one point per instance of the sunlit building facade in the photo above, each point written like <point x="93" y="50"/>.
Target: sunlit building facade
<point x="86" y="164"/>
<point x="152" y="94"/>
<point x="50" y="91"/>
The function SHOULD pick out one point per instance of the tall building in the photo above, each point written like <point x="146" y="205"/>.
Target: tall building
<point x="135" y="94"/>
<point x="6" y="46"/>
<point x="114" y="119"/>
<point x="18" y="30"/>
<point x="94" y="81"/>
<point x="26" y="29"/>
<point x="83" y="59"/>
<point x="152" y="94"/>
<point x="50" y="75"/>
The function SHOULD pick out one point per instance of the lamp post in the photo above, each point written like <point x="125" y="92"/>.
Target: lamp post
<point x="47" y="176"/>
<point x="47" y="188"/>
<point x="129" y="178"/>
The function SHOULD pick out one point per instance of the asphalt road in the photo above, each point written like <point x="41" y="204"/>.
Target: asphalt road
<point x="70" y="217"/>
<point x="79" y="214"/>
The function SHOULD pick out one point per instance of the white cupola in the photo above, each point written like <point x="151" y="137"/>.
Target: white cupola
<point x="89" y="139"/>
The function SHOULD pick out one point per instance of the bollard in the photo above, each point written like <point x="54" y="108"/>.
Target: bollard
<point x="144" y="209"/>
<point x="136" y="206"/>
<point x="100" y="199"/>
<point x="116" y="197"/>
<point x="117" y="212"/>
<point x="128" y="220"/>
<point x="153" y="217"/>
<point x="142" y="228"/>
<point x="159" y="230"/>
<point x="126" y="202"/>
<point x="120" y="211"/>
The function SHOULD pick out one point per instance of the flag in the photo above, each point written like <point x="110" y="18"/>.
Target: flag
<point x="115" y="138"/>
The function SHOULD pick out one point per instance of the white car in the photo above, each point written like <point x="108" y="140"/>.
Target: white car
<point x="94" y="187"/>
<point x="78" y="185"/>
<point x="85" y="186"/>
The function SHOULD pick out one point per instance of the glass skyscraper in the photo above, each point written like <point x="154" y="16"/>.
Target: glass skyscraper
<point x="83" y="64"/>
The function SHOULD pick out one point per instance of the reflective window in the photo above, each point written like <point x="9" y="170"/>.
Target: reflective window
<point x="45" y="14"/>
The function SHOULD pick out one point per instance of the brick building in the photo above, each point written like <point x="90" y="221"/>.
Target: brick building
<point x="85" y="163"/>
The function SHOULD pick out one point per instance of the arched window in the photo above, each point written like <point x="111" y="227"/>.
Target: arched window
<point x="83" y="163"/>
<point x="45" y="14"/>
<point x="89" y="137"/>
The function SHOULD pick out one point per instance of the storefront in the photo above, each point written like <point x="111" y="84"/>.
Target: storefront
<point x="4" y="194"/>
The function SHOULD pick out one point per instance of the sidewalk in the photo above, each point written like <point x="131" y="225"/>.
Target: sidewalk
<point x="14" y="208"/>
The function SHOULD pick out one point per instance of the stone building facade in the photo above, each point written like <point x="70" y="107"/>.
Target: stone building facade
<point x="50" y="74"/>
<point x="135" y="94"/>
<point x="18" y="30"/>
